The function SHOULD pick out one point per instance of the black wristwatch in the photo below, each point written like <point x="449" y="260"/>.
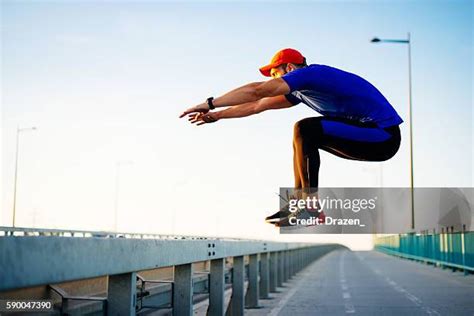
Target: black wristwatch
<point x="210" y="104"/>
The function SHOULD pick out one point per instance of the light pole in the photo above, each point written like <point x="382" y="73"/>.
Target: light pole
<point x="18" y="131"/>
<point x="118" y="164"/>
<point x="406" y="41"/>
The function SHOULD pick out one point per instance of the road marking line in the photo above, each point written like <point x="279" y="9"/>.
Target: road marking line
<point x="431" y="311"/>
<point x="400" y="289"/>
<point x="407" y="294"/>
<point x="348" y="306"/>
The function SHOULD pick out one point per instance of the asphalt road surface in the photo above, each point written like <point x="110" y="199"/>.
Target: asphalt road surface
<point x="372" y="283"/>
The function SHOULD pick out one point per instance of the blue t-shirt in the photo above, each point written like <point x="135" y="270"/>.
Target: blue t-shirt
<point x="334" y="92"/>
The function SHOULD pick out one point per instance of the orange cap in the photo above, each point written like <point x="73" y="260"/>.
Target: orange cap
<point x="284" y="56"/>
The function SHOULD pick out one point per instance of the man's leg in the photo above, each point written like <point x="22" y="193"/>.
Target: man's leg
<point x="306" y="167"/>
<point x="284" y="212"/>
<point x="306" y="155"/>
<point x="341" y="137"/>
<point x="298" y="183"/>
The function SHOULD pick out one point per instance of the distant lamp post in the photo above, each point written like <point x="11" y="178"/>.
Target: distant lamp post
<point x="18" y="131"/>
<point x="406" y="41"/>
<point x="117" y="188"/>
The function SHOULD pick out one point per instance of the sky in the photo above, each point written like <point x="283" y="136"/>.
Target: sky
<point x="104" y="83"/>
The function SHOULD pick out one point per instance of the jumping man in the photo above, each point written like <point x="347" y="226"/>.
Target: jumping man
<point x="357" y="121"/>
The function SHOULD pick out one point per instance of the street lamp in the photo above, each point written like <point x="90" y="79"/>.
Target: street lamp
<point x="406" y="41"/>
<point x="18" y="131"/>
<point x="118" y="164"/>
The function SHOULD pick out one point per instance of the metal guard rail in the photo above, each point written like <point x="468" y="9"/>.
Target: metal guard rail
<point x="40" y="257"/>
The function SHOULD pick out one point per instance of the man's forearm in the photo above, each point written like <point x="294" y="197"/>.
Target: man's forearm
<point x="241" y="95"/>
<point x="251" y="92"/>
<point x="237" y="111"/>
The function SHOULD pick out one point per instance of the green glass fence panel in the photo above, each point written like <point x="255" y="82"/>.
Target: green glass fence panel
<point x="469" y="249"/>
<point x="453" y="249"/>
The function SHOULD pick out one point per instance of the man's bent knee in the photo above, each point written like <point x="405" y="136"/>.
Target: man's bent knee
<point x="305" y="128"/>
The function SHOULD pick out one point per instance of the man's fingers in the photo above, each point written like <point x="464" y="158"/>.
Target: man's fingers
<point x="193" y="117"/>
<point x="183" y="114"/>
<point x="190" y="110"/>
<point x="200" y="118"/>
<point x="194" y="110"/>
<point x="196" y="118"/>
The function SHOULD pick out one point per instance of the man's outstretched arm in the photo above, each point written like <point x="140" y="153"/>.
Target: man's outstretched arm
<point x="242" y="110"/>
<point x="249" y="93"/>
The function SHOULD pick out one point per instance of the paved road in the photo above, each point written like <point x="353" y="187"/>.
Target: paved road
<point x="372" y="283"/>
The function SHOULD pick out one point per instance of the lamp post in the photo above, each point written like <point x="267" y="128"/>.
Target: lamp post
<point x="406" y="41"/>
<point x="18" y="131"/>
<point x="117" y="186"/>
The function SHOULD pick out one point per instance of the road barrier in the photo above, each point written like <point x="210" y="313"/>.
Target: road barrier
<point x="32" y="257"/>
<point x="447" y="249"/>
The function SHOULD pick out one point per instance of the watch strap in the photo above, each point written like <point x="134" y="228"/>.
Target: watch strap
<point x="210" y="104"/>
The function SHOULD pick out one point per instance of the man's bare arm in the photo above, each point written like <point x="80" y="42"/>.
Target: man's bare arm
<point x="242" y="110"/>
<point x="247" y="109"/>
<point x="253" y="92"/>
<point x="248" y="93"/>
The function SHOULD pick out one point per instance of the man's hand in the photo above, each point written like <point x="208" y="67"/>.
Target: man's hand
<point x="203" y="118"/>
<point x="200" y="108"/>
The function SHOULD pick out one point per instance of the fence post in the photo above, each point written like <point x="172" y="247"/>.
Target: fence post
<point x="216" y="288"/>
<point x="273" y="271"/>
<point x="236" y="306"/>
<point x="121" y="295"/>
<point x="292" y="263"/>
<point x="300" y="259"/>
<point x="463" y="248"/>
<point x="264" y="274"/>
<point x="281" y="264"/>
<point x="251" y="299"/>
<point x="183" y="290"/>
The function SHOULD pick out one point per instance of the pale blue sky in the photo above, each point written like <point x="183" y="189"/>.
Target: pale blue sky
<point x="105" y="82"/>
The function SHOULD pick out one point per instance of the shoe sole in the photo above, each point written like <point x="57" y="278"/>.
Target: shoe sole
<point x="273" y="220"/>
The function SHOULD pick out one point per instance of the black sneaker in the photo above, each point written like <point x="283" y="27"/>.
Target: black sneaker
<point x="275" y="218"/>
